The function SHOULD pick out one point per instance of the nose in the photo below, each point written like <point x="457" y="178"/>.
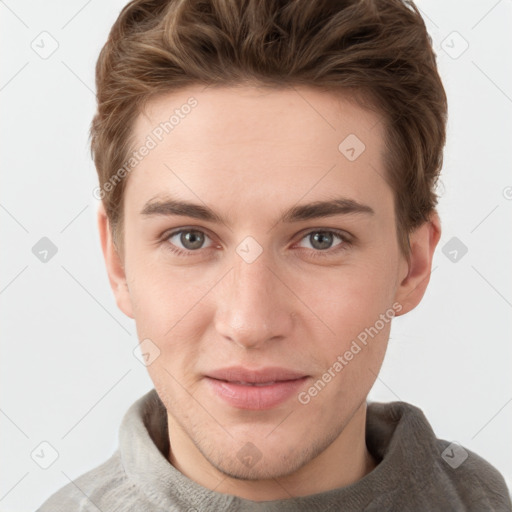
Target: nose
<point x="254" y="306"/>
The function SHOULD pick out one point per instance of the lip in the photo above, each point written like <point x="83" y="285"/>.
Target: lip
<point x="267" y="374"/>
<point x="274" y="386"/>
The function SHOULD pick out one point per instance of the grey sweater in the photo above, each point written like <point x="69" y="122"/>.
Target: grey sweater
<point x="416" y="472"/>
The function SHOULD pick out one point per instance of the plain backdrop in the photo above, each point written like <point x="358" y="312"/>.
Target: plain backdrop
<point x="68" y="369"/>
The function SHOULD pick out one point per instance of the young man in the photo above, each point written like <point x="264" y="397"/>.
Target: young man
<point x="267" y="172"/>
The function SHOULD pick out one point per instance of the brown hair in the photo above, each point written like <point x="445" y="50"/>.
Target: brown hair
<point x="377" y="51"/>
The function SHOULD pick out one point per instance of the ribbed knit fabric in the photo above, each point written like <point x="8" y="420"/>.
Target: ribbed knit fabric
<point x="412" y="474"/>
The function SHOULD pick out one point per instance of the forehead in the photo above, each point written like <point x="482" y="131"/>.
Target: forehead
<point x="257" y="114"/>
<point x="243" y="143"/>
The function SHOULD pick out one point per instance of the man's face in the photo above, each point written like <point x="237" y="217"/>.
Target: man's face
<point x="254" y="290"/>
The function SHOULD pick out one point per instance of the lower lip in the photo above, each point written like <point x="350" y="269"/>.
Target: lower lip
<point x="255" y="397"/>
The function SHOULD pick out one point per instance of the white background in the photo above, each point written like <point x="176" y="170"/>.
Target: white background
<point x="68" y="373"/>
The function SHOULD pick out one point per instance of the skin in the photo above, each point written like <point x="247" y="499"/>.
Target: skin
<point x="249" y="154"/>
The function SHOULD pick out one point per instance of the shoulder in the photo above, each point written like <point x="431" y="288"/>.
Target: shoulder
<point x="433" y="473"/>
<point x="473" y="478"/>
<point x="101" y="488"/>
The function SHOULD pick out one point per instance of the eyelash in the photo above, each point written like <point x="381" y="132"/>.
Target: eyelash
<point x="344" y="245"/>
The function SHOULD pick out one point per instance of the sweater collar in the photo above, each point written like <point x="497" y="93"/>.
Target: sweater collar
<point x="397" y="434"/>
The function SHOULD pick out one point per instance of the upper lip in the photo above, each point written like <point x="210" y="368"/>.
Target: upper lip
<point x="268" y="374"/>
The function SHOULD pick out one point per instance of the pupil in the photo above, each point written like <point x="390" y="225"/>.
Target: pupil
<point x="192" y="239"/>
<point x="321" y="240"/>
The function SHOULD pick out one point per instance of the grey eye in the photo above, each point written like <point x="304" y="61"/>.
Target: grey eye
<point x="189" y="239"/>
<point x="322" y="240"/>
<point x="192" y="239"/>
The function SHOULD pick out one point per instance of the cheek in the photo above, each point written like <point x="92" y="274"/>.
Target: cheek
<point x="350" y="299"/>
<point x="357" y="306"/>
<point x="162" y="296"/>
<point x="350" y="358"/>
<point x="170" y="310"/>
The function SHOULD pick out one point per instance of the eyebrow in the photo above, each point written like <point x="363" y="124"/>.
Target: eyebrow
<point x="342" y="206"/>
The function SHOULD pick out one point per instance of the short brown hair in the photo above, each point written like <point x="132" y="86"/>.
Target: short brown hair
<point x="378" y="51"/>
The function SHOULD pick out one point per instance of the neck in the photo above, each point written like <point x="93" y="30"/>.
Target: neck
<point x="345" y="461"/>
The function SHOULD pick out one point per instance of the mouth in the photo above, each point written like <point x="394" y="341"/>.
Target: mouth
<point x="253" y="383"/>
<point x="261" y="389"/>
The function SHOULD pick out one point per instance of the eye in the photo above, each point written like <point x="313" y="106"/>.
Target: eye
<point x="187" y="241"/>
<point x="322" y="240"/>
<point x="190" y="240"/>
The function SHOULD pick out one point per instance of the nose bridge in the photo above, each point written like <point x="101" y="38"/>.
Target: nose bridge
<point x="253" y="307"/>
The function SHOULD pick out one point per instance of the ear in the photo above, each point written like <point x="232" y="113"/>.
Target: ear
<point x="114" y="264"/>
<point x="423" y="241"/>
